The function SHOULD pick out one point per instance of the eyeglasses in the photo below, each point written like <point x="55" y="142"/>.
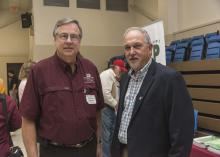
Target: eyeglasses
<point x="66" y="36"/>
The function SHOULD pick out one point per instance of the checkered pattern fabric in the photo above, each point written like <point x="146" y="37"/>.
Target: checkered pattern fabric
<point x="129" y="100"/>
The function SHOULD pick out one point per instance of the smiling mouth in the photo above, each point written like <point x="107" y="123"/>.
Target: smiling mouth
<point x="68" y="48"/>
<point x="133" y="59"/>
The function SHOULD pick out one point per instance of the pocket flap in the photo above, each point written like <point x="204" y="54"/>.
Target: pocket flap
<point x="55" y="88"/>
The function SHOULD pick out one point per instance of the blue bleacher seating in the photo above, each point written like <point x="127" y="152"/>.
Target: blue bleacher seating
<point x="213" y="48"/>
<point x="195" y="120"/>
<point x="181" y="50"/>
<point x="169" y="54"/>
<point x="197" y="37"/>
<point x="197" y="48"/>
<point x="209" y="35"/>
<point x="175" y="42"/>
<point x="170" y="50"/>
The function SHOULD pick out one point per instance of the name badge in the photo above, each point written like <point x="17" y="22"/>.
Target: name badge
<point x="90" y="99"/>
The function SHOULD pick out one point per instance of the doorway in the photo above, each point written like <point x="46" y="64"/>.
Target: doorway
<point x="13" y="68"/>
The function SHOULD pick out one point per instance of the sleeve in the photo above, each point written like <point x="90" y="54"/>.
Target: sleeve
<point x="99" y="91"/>
<point x="107" y="87"/>
<point x="30" y="106"/>
<point x="181" y="118"/>
<point x="14" y="117"/>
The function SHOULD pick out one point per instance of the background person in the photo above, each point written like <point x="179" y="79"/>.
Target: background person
<point x="14" y="121"/>
<point x="110" y="87"/>
<point x="23" y="75"/>
<point x="64" y="95"/>
<point x="155" y="115"/>
<point x="13" y="85"/>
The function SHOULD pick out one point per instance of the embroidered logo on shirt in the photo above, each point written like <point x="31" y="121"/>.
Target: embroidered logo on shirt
<point x="88" y="78"/>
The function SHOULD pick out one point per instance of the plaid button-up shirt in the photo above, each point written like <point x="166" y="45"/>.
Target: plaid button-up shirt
<point x="129" y="100"/>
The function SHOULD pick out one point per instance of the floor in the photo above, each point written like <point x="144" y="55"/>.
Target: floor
<point x="17" y="140"/>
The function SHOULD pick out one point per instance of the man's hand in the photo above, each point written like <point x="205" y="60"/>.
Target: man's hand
<point x="99" y="149"/>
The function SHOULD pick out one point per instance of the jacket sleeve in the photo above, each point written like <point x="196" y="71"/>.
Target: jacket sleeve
<point x="100" y="94"/>
<point x="14" y="117"/>
<point x="180" y="117"/>
<point x="107" y="87"/>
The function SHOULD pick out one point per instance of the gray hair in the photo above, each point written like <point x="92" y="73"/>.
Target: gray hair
<point x="143" y="31"/>
<point x="66" y="21"/>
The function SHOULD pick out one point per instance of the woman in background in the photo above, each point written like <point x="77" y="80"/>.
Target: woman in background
<point x="14" y="121"/>
<point x="23" y="75"/>
<point x="13" y="85"/>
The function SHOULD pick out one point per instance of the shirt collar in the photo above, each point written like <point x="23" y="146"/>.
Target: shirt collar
<point x="65" y="66"/>
<point x="141" y="72"/>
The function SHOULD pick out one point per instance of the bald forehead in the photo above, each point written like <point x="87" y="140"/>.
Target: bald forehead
<point x="133" y="32"/>
<point x="133" y="35"/>
<point x="137" y="32"/>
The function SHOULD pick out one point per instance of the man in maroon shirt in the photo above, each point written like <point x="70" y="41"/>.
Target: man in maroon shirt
<point x="62" y="100"/>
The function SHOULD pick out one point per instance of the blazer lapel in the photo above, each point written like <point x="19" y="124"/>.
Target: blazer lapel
<point x="147" y="82"/>
<point x="123" y="90"/>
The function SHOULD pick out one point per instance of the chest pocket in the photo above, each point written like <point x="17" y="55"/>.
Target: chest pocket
<point x="91" y="100"/>
<point x="54" y="89"/>
<point x="90" y="93"/>
<point x="55" y="95"/>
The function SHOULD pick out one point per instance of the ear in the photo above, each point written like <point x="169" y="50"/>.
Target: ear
<point x="150" y="47"/>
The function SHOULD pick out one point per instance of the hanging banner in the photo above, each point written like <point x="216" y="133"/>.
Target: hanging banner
<point x="156" y="33"/>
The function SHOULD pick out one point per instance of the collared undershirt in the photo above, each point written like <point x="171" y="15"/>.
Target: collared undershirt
<point x="129" y="100"/>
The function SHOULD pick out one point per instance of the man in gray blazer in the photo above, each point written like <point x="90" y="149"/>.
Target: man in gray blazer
<point x="155" y="115"/>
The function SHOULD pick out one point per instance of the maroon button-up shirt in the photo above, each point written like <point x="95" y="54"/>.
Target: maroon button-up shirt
<point x="63" y="104"/>
<point x="14" y="123"/>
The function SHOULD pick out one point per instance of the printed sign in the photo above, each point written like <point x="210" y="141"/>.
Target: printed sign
<point x="156" y="33"/>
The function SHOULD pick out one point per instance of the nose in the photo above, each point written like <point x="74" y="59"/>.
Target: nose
<point x="68" y="39"/>
<point x="132" y="50"/>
